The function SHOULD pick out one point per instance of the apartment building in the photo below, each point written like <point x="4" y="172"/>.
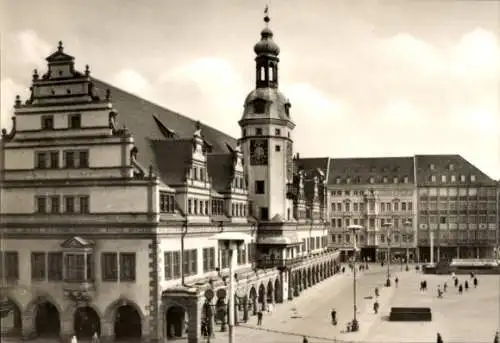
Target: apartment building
<point x="110" y="202"/>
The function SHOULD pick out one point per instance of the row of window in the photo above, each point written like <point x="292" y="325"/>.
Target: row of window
<point x="360" y="207"/>
<point x="74" y="121"/>
<point x="460" y="191"/>
<point x="201" y="207"/>
<point x="372" y="180"/>
<point x="71" y="159"/>
<point x="397" y="222"/>
<point x="453" y="205"/>
<point x="70" y="204"/>
<point x="199" y="173"/>
<point x="189" y="261"/>
<point x="70" y="267"/>
<point x="167" y="202"/>
<point x="260" y="132"/>
<point x="453" y="178"/>
<point x="458" y="234"/>
<point x="458" y="219"/>
<point x="403" y="238"/>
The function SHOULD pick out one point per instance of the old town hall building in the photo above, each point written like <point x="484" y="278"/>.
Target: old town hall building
<point x="108" y="204"/>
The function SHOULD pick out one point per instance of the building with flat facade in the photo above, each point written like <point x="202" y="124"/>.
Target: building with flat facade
<point x="412" y="201"/>
<point x="109" y="203"/>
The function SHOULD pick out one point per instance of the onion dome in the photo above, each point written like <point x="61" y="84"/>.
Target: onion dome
<point x="266" y="45"/>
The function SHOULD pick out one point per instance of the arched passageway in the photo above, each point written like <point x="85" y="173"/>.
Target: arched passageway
<point x="86" y="322"/>
<point x="47" y="321"/>
<point x="262" y="297"/>
<point x="11" y="320"/>
<point x="128" y="323"/>
<point x="270" y="292"/>
<point x="278" y="291"/>
<point x="253" y="300"/>
<point x="175" y="321"/>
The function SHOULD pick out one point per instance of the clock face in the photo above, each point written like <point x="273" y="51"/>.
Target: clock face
<point x="258" y="152"/>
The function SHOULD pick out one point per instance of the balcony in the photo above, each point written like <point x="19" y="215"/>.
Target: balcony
<point x="267" y="262"/>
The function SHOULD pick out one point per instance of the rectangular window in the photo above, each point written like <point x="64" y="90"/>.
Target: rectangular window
<point x="277" y="148"/>
<point x="242" y="254"/>
<point x="11" y="264"/>
<point x="109" y="266"/>
<point x="168" y="265"/>
<point x="127" y="266"/>
<point x="264" y="213"/>
<point x="41" y="204"/>
<point x="277" y="132"/>
<point x="38" y="266"/>
<point x="41" y="160"/>
<point x="69" y="204"/>
<point x="403" y="206"/>
<point x="54" y="159"/>
<point x="258" y="131"/>
<point x="176" y="265"/>
<point x="224" y="258"/>
<point x="84" y="204"/>
<point x="55" y="204"/>
<point x="55" y="266"/>
<point x="260" y="187"/>
<point x="69" y="159"/>
<point x="75" y="121"/>
<point x="75" y="267"/>
<point x="83" y="159"/>
<point x="47" y="122"/>
<point x="193" y="262"/>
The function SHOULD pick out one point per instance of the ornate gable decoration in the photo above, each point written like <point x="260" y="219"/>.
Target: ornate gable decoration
<point x="76" y="242"/>
<point x="199" y="150"/>
<point x="237" y="159"/>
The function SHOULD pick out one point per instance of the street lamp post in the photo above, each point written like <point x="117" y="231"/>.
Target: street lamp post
<point x="231" y="241"/>
<point x="354" y="229"/>
<point x="388" y="231"/>
<point x="409" y="233"/>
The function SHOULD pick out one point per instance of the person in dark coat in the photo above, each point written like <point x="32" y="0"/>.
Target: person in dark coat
<point x="439" y="339"/>
<point x="376" y="307"/>
<point x="466" y="285"/>
<point x="333" y="314"/>
<point x="397" y="281"/>
<point x="456" y="282"/>
<point x="259" y="317"/>
<point x="475" y="282"/>
<point x="460" y="289"/>
<point x="304" y="340"/>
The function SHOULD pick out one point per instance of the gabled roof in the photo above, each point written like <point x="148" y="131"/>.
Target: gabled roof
<point x="171" y="158"/>
<point x="439" y="165"/>
<point x="141" y="118"/>
<point x="220" y="169"/>
<point x="364" y="168"/>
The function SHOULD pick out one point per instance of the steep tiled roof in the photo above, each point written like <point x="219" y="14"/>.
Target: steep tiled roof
<point x="439" y="165"/>
<point x="311" y="164"/>
<point x="359" y="170"/>
<point x="220" y="169"/>
<point x="171" y="158"/>
<point x="150" y="122"/>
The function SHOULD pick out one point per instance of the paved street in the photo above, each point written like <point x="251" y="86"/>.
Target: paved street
<point x="310" y="313"/>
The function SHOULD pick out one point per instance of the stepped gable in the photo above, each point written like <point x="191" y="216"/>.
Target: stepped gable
<point x="153" y="127"/>
<point x="360" y="170"/>
<point x="438" y="165"/>
<point x="220" y="169"/>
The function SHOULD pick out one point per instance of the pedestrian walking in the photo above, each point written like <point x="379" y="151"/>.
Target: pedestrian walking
<point x="439" y="339"/>
<point x="460" y="289"/>
<point x="440" y="292"/>
<point x="397" y="281"/>
<point x="456" y="282"/>
<point x="377" y="293"/>
<point x="259" y="318"/>
<point x="304" y="340"/>
<point x="445" y="287"/>
<point x="466" y="285"/>
<point x="475" y="282"/>
<point x="376" y="307"/>
<point x="333" y="314"/>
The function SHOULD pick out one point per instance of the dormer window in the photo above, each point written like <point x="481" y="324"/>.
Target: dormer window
<point x="259" y="106"/>
<point x="473" y="178"/>
<point x="47" y="122"/>
<point x="167" y="203"/>
<point x="75" y="121"/>
<point x="432" y="166"/>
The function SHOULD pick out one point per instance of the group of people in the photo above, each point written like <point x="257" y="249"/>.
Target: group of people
<point x="458" y="285"/>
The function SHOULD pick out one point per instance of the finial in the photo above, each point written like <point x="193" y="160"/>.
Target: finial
<point x="18" y="101"/>
<point x="60" y="47"/>
<point x="35" y="75"/>
<point x="266" y="15"/>
<point x="87" y="70"/>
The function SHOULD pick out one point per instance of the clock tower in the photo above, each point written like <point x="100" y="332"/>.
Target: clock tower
<point x="266" y="141"/>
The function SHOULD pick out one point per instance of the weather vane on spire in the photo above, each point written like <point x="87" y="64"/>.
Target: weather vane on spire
<point x="266" y="15"/>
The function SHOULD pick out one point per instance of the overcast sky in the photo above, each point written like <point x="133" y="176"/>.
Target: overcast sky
<point x="365" y="78"/>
